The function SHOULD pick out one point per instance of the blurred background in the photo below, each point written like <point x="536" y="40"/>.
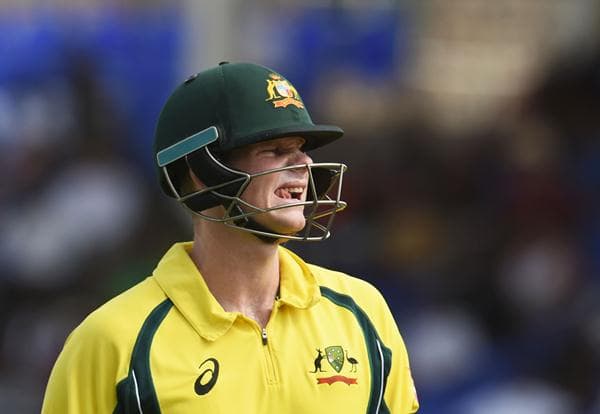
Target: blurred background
<point x="472" y="137"/>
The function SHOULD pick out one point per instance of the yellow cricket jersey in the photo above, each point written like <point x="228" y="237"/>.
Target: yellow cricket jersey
<point x="167" y="346"/>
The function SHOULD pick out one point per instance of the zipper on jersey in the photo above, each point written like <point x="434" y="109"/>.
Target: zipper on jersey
<point x="272" y="376"/>
<point x="264" y="336"/>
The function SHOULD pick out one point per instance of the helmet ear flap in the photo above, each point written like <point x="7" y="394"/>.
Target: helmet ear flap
<point x="212" y="173"/>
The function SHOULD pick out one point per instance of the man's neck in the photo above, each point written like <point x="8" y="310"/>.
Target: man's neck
<point x="241" y="271"/>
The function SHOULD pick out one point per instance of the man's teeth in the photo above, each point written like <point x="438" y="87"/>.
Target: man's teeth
<point x="288" y="192"/>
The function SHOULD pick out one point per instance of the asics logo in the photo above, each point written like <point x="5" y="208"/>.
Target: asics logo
<point x="208" y="376"/>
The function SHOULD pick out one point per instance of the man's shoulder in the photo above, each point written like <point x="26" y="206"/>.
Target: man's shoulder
<point x="342" y="283"/>
<point x="97" y="354"/>
<point x="121" y="317"/>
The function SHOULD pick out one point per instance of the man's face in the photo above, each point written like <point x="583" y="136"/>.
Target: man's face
<point x="276" y="189"/>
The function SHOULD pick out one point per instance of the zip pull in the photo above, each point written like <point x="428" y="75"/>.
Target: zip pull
<point x="264" y="336"/>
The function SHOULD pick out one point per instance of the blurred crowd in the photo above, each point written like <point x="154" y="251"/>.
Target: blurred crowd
<point x="478" y="219"/>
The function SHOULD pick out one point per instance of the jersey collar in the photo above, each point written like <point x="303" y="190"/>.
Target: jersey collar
<point x="179" y="278"/>
<point x="298" y="286"/>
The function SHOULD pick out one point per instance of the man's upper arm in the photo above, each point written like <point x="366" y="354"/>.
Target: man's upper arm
<point x="85" y="374"/>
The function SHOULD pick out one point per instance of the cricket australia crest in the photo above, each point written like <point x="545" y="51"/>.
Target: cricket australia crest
<point x="281" y="93"/>
<point x="335" y="357"/>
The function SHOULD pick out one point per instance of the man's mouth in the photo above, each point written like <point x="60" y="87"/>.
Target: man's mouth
<point x="289" y="192"/>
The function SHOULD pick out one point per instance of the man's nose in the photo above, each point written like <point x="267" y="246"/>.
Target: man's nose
<point x="300" y="157"/>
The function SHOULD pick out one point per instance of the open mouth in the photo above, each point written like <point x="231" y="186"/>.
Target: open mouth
<point x="289" y="193"/>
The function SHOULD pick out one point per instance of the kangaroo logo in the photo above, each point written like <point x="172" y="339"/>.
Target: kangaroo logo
<point x="318" y="360"/>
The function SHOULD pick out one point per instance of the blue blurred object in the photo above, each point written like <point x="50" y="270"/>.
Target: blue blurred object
<point x="371" y="42"/>
<point x="32" y="49"/>
<point x="133" y="55"/>
<point x="136" y="58"/>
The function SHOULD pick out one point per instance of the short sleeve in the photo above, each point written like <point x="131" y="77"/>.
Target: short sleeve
<point x="84" y="377"/>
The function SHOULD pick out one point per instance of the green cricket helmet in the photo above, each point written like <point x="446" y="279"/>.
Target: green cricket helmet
<point x="231" y="106"/>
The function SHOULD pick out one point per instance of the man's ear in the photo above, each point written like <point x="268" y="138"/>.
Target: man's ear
<point x="196" y="182"/>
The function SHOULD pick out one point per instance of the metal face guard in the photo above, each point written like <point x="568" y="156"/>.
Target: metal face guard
<point x="322" y="203"/>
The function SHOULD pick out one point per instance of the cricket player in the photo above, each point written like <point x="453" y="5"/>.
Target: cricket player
<point x="233" y="322"/>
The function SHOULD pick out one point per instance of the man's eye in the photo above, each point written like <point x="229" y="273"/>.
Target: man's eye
<point x="275" y="151"/>
<point x="278" y="150"/>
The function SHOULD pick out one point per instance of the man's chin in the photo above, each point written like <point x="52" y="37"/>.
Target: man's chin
<point x="288" y="231"/>
<point x="288" y="226"/>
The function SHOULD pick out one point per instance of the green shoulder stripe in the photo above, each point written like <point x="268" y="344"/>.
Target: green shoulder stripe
<point x="380" y="357"/>
<point x="135" y="393"/>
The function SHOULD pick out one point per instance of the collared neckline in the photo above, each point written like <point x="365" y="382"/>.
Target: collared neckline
<point x="180" y="279"/>
<point x="298" y="286"/>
